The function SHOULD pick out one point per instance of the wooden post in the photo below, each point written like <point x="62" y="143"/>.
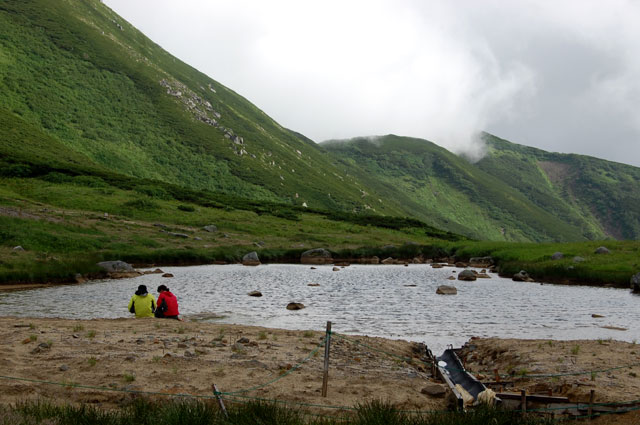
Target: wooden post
<point x="591" y="397"/>
<point x="523" y="395"/>
<point x="325" y="376"/>
<point x="496" y="375"/>
<point x="220" y="402"/>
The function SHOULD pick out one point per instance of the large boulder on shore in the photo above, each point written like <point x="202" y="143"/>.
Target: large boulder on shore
<point x="522" y="276"/>
<point x="467" y="274"/>
<point x="116" y="266"/>
<point x="434" y="390"/>
<point x="251" y="259"/>
<point x="446" y="290"/>
<point x="635" y="282"/>
<point x="480" y="262"/>
<point x="316" y="256"/>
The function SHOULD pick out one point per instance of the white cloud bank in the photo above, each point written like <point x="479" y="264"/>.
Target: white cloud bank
<point x="563" y="76"/>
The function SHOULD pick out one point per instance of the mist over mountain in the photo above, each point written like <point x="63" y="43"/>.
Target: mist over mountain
<point x="85" y="93"/>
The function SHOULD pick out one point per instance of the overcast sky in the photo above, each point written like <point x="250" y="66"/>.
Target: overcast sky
<point x="563" y="76"/>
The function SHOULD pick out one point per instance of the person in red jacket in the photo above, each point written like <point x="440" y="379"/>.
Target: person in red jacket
<point x="167" y="304"/>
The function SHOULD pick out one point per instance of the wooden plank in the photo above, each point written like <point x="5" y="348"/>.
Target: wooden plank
<point x="445" y="377"/>
<point x="535" y="398"/>
<point x="220" y="402"/>
<point x="325" y="375"/>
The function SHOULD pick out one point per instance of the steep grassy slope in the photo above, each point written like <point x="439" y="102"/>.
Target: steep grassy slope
<point x="451" y="192"/>
<point x="601" y="197"/>
<point x="79" y="73"/>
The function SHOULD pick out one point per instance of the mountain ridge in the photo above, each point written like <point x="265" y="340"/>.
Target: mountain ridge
<point x="516" y="177"/>
<point x="85" y="92"/>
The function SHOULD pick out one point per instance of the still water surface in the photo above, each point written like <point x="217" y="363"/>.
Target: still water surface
<point x="360" y="299"/>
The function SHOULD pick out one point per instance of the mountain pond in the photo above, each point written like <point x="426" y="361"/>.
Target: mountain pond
<point x="391" y="301"/>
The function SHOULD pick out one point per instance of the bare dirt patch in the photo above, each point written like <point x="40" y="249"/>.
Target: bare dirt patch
<point x="102" y="361"/>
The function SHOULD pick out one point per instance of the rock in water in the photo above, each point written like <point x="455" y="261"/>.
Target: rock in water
<point x="467" y="274"/>
<point x="116" y="266"/>
<point x="316" y="256"/>
<point x="635" y="282"/>
<point x="522" y="276"/>
<point x="255" y="294"/>
<point x="251" y="259"/>
<point x="295" y="306"/>
<point x="446" y="290"/>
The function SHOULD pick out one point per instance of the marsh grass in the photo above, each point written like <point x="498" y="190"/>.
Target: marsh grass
<point x="183" y="412"/>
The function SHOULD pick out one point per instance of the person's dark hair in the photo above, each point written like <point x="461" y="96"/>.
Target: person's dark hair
<point x="142" y="290"/>
<point x="163" y="288"/>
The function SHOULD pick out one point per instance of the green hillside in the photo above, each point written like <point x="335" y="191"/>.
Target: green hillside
<point x="514" y="193"/>
<point x="100" y="89"/>
<point x="85" y="93"/>
<point x="601" y="197"/>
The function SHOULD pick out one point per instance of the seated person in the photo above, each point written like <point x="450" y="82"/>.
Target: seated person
<point x="142" y="303"/>
<point x="167" y="304"/>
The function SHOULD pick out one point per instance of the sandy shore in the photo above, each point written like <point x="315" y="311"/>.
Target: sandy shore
<point x="188" y="357"/>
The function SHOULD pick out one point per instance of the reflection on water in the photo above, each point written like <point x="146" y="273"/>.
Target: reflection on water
<point x="371" y="300"/>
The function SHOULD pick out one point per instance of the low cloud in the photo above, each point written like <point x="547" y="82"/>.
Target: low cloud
<point x="559" y="76"/>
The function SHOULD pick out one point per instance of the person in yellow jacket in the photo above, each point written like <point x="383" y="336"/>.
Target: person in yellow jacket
<point x="142" y="303"/>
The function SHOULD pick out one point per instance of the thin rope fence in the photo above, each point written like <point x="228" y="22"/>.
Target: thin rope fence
<point x="244" y="399"/>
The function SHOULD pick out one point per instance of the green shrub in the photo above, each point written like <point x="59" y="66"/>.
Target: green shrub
<point x="89" y="181"/>
<point x="153" y="191"/>
<point x="55" y="177"/>
<point x="15" y="170"/>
